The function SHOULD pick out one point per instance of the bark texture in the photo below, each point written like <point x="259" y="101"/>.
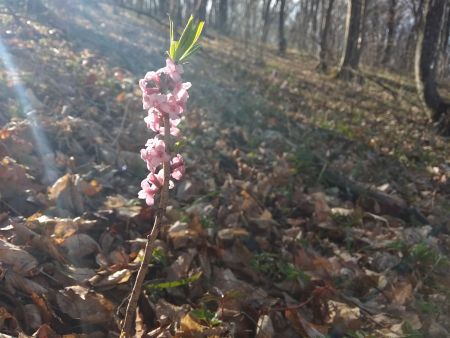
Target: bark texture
<point x="426" y="64"/>
<point x="201" y="9"/>
<point x="223" y="16"/>
<point x="323" y="58"/>
<point x="350" y="57"/>
<point x="281" y="36"/>
<point x="391" y="32"/>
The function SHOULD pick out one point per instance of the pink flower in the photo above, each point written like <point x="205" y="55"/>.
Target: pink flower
<point x="153" y="121"/>
<point x="158" y="179"/>
<point x="177" y="167"/>
<point x="170" y="106"/>
<point x="148" y="192"/>
<point x="164" y="103"/>
<point x="153" y="100"/>
<point x="154" y="153"/>
<point x="151" y="185"/>
<point x="164" y="96"/>
<point x="181" y="94"/>
<point x="150" y="84"/>
<point x="173" y="70"/>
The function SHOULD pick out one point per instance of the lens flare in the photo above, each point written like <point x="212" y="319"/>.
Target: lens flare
<point x="28" y="112"/>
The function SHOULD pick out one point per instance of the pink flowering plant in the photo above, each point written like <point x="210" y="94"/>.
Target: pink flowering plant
<point x="164" y="97"/>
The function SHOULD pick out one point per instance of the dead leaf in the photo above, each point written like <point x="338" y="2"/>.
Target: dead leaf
<point x="7" y="320"/>
<point x="190" y="328"/>
<point x="66" y="195"/>
<point x="42" y="243"/>
<point x="18" y="282"/>
<point x="20" y="260"/>
<point x="180" y="267"/>
<point x="321" y="209"/>
<point x="80" y="245"/>
<point x="32" y="316"/>
<point x="117" y="277"/>
<point x="122" y="206"/>
<point x="228" y="235"/>
<point x="80" y="275"/>
<point x="301" y="326"/>
<point x="264" y="222"/>
<point x="45" y="331"/>
<point x="44" y="308"/>
<point x="86" y="305"/>
<point x="264" y="328"/>
<point x="90" y="189"/>
<point x="400" y="292"/>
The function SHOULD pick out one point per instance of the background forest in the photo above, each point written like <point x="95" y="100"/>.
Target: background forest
<point x="316" y="199"/>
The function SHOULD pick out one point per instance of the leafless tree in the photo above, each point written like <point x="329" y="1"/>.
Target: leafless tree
<point x="426" y="62"/>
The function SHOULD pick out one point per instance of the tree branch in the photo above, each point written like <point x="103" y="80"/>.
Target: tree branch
<point x="126" y="331"/>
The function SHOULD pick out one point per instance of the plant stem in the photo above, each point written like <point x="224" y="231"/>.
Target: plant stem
<point x="142" y="272"/>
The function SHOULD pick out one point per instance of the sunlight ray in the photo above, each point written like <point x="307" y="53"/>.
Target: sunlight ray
<point x="29" y="112"/>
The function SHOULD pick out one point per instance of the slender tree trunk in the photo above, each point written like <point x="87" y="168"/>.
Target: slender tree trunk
<point x="362" y="31"/>
<point x="201" y="9"/>
<point x="390" y="33"/>
<point x="314" y="25"/>
<point x="308" y="24"/>
<point x="444" y="42"/>
<point x="350" y="57"/>
<point x="265" y="28"/>
<point x="163" y="7"/>
<point x="266" y="21"/>
<point x="281" y="36"/>
<point x="323" y="40"/>
<point x="425" y="65"/>
<point x="411" y="41"/>
<point x="223" y="16"/>
<point x="211" y="12"/>
<point x="303" y="24"/>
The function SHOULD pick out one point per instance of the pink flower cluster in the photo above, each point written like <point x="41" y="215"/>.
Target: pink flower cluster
<point x="163" y="94"/>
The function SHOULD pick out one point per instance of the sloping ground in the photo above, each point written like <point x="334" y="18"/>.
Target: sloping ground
<point x="310" y="207"/>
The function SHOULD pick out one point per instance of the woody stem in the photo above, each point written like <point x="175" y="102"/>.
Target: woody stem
<point x="126" y="331"/>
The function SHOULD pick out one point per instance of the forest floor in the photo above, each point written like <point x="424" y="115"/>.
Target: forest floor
<point x="311" y="207"/>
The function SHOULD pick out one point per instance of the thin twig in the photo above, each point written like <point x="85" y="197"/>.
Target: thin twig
<point x="137" y="288"/>
<point x="122" y="124"/>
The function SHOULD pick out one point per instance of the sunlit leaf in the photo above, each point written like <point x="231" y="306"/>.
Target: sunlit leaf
<point x="174" y="284"/>
<point x="180" y="50"/>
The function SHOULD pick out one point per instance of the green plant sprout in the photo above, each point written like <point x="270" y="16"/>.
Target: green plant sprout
<point x="187" y="44"/>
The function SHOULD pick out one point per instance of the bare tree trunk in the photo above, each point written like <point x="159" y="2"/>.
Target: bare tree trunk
<point x="211" y="12"/>
<point x="444" y="42"/>
<point x="362" y="30"/>
<point x="281" y="36"/>
<point x="391" y="32"/>
<point x="201" y="9"/>
<point x="163" y="7"/>
<point x="223" y="16"/>
<point x="303" y="24"/>
<point x="409" y="51"/>
<point x="425" y="65"/>
<point x="266" y="21"/>
<point x="265" y="28"/>
<point x="314" y="25"/>
<point x="323" y="40"/>
<point x="350" y="57"/>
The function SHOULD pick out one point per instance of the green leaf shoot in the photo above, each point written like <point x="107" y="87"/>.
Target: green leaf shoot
<point x="180" y="50"/>
<point x="174" y="284"/>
